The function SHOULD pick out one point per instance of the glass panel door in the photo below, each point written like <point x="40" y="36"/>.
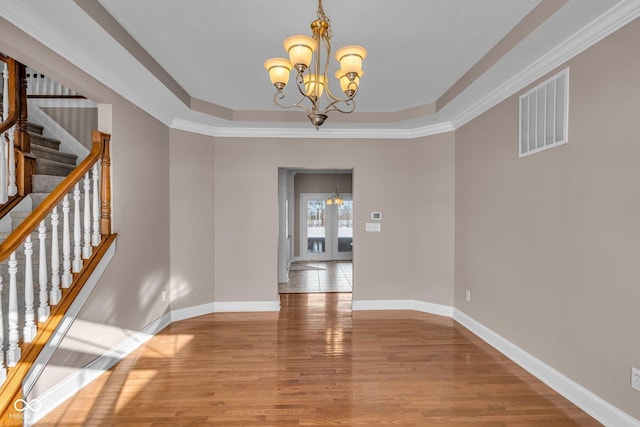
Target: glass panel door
<point x="316" y="227"/>
<point x="327" y="230"/>
<point x="343" y="249"/>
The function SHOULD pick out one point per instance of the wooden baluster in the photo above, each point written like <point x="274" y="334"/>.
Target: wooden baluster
<point x="86" y="249"/>
<point x="12" y="189"/>
<point x="105" y="188"/>
<point x="29" y="331"/>
<point x="13" y="352"/>
<point x="43" y="308"/>
<point x="95" y="240"/>
<point x="77" y="235"/>
<point x="56" y="293"/>
<point x="3" y="369"/>
<point x="66" y="244"/>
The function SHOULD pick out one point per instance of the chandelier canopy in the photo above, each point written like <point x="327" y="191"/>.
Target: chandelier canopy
<point x="310" y="56"/>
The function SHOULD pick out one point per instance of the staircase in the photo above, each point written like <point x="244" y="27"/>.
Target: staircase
<point x="66" y="236"/>
<point x="52" y="166"/>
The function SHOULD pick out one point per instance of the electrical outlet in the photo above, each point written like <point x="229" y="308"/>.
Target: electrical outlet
<point x="635" y="379"/>
<point x="468" y="295"/>
<point x="164" y="295"/>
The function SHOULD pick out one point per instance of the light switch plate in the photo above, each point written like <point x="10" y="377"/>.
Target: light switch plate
<point x="372" y="227"/>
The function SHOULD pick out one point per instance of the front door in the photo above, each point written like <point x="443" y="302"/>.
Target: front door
<point x="326" y="230"/>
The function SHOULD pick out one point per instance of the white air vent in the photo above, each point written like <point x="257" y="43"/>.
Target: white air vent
<point x="544" y="115"/>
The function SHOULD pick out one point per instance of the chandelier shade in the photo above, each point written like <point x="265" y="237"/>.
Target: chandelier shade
<point x="310" y="57"/>
<point x="279" y="70"/>
<point x="314" y="85"/>
<point x="350" y="59"/>
<point x="300" y="49"/>
<point x="345" y="84"/>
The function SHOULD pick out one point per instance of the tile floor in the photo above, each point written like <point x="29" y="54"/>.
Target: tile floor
<point x="318" y="276"/>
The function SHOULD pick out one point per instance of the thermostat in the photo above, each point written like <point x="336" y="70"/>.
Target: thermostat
<point x="376" y="216"/>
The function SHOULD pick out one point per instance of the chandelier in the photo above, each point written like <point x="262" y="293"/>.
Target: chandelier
<point x="311" y="64"/>
<point x="335" y="198"/>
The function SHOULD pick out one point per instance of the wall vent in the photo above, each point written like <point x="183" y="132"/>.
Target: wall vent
<point x="544" y="115"/>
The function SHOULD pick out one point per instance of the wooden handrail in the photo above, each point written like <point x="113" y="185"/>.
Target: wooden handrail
<point x="100" y="150"/>
<point x="11" y="390"/>
<point x="14" y="108"/>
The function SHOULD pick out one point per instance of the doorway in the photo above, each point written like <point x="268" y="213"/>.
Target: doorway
<point x="316" y="231"/>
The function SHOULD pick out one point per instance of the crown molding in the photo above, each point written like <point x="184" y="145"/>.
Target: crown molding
<point x="264" y="132"/>
<point x="611" y="21"/>
<point x="618" y="16"/>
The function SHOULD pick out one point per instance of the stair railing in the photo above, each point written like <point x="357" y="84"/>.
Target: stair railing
<point x="41" y="86"/>
<point x="61" y="273"/>
<point x="17" y="164"/>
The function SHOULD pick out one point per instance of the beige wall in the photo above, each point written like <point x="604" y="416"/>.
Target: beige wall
<point x="549" y="244"/>
<point x="315" y="183"/>
<point x="192" y="219"/>
<point x="410" y="181"/>
<point x="79" y="122"/>
<point x="128" y="296"/>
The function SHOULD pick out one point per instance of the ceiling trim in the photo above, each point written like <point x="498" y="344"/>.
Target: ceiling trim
<point x="307" y="133"/>
<point x="611" y="21"/>
<point x="112" y="27"/>
<point x="536" y="17"/>
<point x="102" y="17"/>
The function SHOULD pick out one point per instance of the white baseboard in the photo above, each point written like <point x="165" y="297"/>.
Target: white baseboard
<point x="53" y="397"/>
<point x="403" y="304"/>
<point x="224" y="307"/>
<point x="593" y="405"/>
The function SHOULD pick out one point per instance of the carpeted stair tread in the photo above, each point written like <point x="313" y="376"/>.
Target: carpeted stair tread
<point x="52" y="167"/>
<point x="42" y="152"/>
<point x="43" y="183"/>
<point x="43" y="141"/>
<point x="35" y="128"/>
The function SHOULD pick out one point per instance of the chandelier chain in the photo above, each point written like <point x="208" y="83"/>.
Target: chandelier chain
<point x="323" y="17"/>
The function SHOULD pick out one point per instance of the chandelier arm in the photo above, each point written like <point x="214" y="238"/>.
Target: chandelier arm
<point x="302" y="90"/>
<point x="334" y="101"/>
<point x="279" y="95"/>
<point x="334" y="106"/>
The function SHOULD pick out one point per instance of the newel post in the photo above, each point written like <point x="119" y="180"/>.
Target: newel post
<point x="105" y="185"/>
<point x="25" y="162"/>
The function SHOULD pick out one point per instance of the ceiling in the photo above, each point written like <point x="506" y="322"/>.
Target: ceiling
<point x="431" y="65"/>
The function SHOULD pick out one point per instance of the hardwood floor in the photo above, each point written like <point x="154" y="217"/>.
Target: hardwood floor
<point x="316" y="363"/>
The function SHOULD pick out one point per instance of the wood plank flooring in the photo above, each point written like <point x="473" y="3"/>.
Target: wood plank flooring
<point x="316" y="363"/>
